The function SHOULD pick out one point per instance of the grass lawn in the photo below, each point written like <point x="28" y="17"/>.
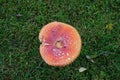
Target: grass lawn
<point x="98" y="23"/>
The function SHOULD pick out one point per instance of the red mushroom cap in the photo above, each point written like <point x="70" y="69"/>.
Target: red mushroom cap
<point x="61" y="44"/>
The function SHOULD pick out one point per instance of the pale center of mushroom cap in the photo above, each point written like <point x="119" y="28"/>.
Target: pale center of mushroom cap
<point x="58" y="44"/>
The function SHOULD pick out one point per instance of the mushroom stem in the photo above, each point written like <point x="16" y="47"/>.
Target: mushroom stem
<point x="58" y="44"/>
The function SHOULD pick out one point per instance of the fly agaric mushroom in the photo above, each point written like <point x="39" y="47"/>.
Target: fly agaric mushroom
<point x="61" y="44"/>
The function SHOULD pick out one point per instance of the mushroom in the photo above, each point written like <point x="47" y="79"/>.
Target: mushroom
<point x="61" y="44"/>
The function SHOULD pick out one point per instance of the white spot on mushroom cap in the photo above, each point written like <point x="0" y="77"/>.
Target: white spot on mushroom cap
<point x="54" y="50"/>
<point x="72" y="56"/>
<point x="68" y="59"/>
<point x="67" y="54"/>
<point x="63" y="53"/>
<point x="46" y="44"/>
<point x="57" y="52"/>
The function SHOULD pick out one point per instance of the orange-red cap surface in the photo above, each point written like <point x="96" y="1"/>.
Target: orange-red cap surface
<point x="61" y="44"/>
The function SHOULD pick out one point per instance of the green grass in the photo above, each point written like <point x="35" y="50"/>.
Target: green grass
<point x="21" y="21"/>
